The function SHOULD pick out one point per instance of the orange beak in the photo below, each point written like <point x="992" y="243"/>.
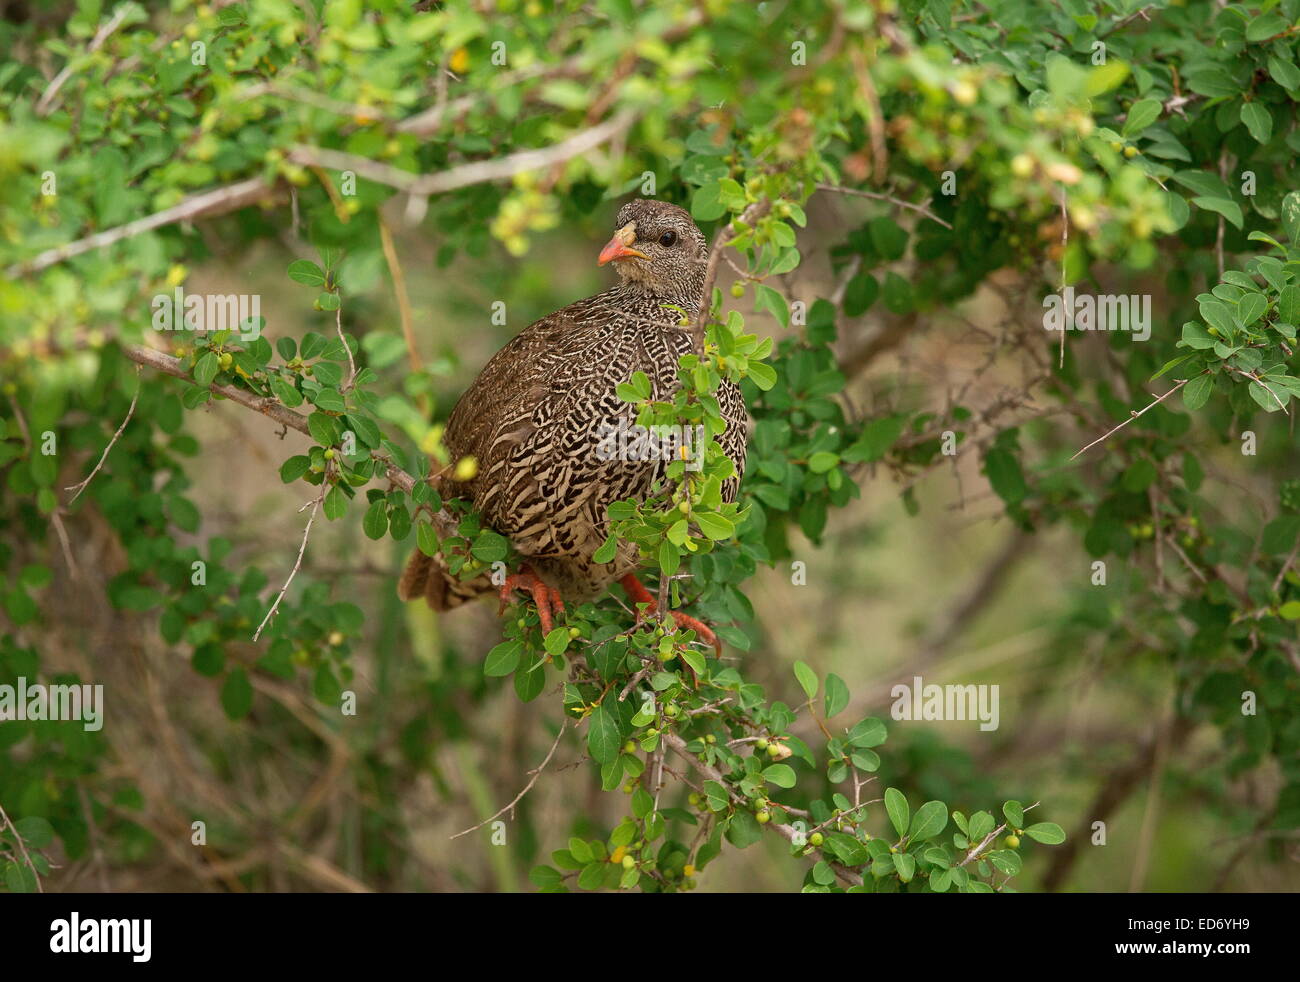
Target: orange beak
<point x="620" y="246"/>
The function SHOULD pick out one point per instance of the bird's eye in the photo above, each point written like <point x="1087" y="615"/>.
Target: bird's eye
<point x="668" y="238"/>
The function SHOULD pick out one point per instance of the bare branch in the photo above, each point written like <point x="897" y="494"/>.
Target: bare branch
<point x="1133" y="416"/>
<point x="207" y="203"/>
<point x="315" y="506"/>
<point x="475" y="172"/>
<point x="78" y="488"/>
<point x="878" y="196"/>
<point x="537" y="772"/>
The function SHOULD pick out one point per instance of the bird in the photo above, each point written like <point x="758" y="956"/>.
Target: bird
<point x="534" y="418"/>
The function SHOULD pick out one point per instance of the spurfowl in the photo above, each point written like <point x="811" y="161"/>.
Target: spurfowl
<point x="535" y="417"/>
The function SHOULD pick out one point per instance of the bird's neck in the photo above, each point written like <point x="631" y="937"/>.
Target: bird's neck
<point x="686" y="291"/>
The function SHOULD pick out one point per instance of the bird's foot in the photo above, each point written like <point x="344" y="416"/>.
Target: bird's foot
<point x="546" y="598"/>
<point x="640" y="595"/>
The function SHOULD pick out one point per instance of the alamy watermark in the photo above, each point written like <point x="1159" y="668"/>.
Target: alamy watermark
<point x="619" y="441"/>
<point x="37" y="701"/>
<point x="946" y="702"/>
<point x="1106" y="312"/>
<point x="239" y="313"/>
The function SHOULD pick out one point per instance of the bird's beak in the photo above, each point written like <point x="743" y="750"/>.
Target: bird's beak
<point x="619" y="247"/>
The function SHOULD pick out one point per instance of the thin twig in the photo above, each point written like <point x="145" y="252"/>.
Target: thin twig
<point x="46" y="101"/>
<point x="983" y="843"/>
<point x="78" y="488"/>
<point x="536" y="772"/>
<point x="352" y="365"/>
<point x="1133" y="416"/>
<point x="315" y="506"/>
<point x="878" y="196"/>
<point x="403" y="299"/>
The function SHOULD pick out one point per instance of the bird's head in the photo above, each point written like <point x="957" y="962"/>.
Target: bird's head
<point x="657" y="246"/>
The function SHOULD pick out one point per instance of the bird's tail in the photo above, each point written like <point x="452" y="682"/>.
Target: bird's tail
<point x="428" y="577"/>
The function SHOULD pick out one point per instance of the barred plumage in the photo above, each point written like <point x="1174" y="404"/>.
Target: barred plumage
<point x="533" y="418"/>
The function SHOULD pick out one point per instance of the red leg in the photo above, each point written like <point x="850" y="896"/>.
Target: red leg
<point x="640" y="595"/>
<point x="543" y="596"/>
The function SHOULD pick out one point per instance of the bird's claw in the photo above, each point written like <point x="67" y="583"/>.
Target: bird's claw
<point x="547" y="599"/>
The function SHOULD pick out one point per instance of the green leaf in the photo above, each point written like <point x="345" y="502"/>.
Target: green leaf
<point x="19" y="878"/>
<point x="602" y="735"/>
<point x="285" y="392"/>
<point x="888" y="237"/>
<point x="868" y="733"/>
<point x="706" y="203"/>
<point x="743" y="830"/>
<point x="807" y="679"/>
<point x="980" y="825"/>
<point x="782" y="775"/>
<point x="1251" y="307"/>
<point x="1222" y="206"/>
<point x="669" y="558"/>
<point x="1005" y="476"/>
<point x="1288" y="305"/>
<point x="1264" y="27"/>
<point x="503" y="659"/>
<point x="294" y="468"/>
<point x="1197" y="392"/>
<point x="375" y="522"/>
<point x="330" y="400"/>
<point x="306" y="271"/>
<point x="714" y="526"/>
<point x="905" y="866"/>
<point x="237" y="694"/>
<point x="607" y="549"/>
<point x="555" y="643"/>
<point x="1048" y="833"/>
<point x="860" y="294"/>
<point x="876" y="439"/>
<point x="762" y="375"/>
<point x="1291" y="217"/>
<point x="426" y="539"/>
<point x="899" y="813"/>
<point x="822" y="461"/>
<point x="1141" y="115"/>
<point x="837" y="695"/>
<point x="1014" y="814"/>
<point x="546" y="878"/>
<point x="490" y="547"/>
<point x="336" y="503"/>
<point x="1258" y="121"/>
<point x="1005" y="861"/>
<point x="930" y="820"/>
<point x="1219" y="316"/>
<point x="1284" y="73"/>
<point x="35" y="831"/>
<point x="206" y="368"/>
<point x="324" y="429"/>
<point x="366" y="431"/>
